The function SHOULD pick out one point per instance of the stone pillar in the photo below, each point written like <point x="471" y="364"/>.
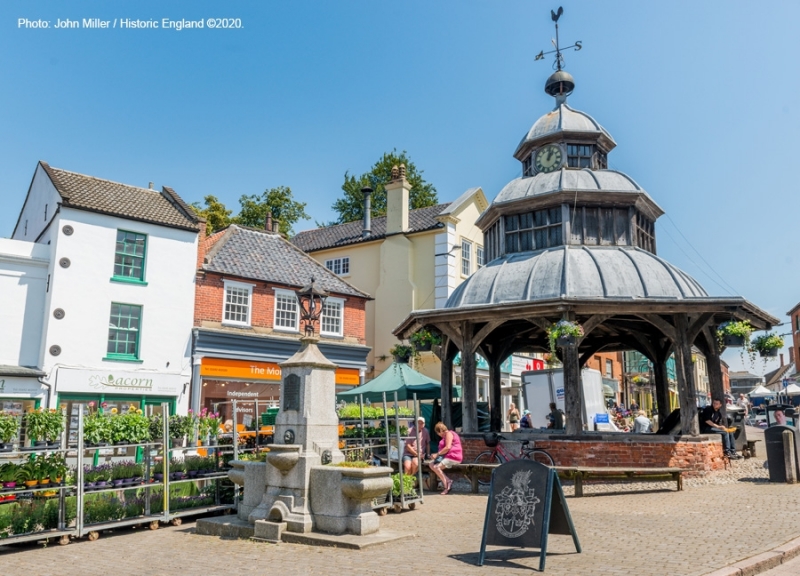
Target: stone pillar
<point x="687" y="390"/>
<point x="572" y="391"/>
<point x="662" y="389"/>
<point x="495" y="396"/>
<point x="447" y="386"/>
<point x="469" y="390"/>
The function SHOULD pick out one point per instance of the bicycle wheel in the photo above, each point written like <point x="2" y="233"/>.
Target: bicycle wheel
<point x="540" y="456"/>
<point x="488" y="457"/>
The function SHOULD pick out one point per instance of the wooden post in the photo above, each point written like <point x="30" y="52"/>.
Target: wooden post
<point x="469" y="389"/>
<point x="495" y="395"/>
<point x="714" y="366"/>
<point x="572" y="391"/>
<point x="447" y="385"/>
<point x="662" y="389"/>
<point x="789" y="463"/>
<point x="686" y="386"/>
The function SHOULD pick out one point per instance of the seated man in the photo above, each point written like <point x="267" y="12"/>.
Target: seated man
<point x="412" y="450"/>
<point x="711" y="423"/>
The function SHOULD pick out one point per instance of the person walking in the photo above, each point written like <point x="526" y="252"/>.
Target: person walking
<point x="449" y="453"/>
<point x="513" y="416"/>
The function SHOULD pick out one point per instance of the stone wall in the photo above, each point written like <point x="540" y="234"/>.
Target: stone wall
<point x="701" y="454"/>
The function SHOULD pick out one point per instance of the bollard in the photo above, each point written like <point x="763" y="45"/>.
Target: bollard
<point x="789" y="457"/>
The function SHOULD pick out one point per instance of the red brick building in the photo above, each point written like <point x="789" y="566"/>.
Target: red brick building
<point x="247" y="320"/>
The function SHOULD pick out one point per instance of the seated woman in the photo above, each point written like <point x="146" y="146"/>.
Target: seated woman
<point x="449" y="453"/>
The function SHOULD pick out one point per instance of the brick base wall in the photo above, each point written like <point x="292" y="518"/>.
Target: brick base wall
<point x="700" y="455"/>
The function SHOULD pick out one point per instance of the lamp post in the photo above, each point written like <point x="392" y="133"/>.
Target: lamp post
<point x="311" y="300"/>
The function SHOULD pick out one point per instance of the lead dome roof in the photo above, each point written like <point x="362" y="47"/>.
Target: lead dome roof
<point x="589" y="273"/>
<point x="564" y="119"/>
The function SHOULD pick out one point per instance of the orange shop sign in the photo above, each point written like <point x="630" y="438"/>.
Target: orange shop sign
<point x="225" y="368"/>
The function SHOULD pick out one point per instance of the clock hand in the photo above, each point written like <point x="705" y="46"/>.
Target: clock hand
<point x="550" y="154"/>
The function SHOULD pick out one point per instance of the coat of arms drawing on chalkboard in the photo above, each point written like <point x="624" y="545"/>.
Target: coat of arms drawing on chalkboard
<point x="515" y="506"/>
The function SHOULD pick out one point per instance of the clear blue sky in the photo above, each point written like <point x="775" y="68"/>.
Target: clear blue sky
<point x="701" y="97"/>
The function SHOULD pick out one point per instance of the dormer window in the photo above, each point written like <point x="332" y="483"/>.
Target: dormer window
<point x="527" y="166"/>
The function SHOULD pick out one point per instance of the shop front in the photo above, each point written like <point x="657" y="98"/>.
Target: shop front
<point x="117" y="391"/>
<point x="231" y="366"/>
<point x="254" y="385"/>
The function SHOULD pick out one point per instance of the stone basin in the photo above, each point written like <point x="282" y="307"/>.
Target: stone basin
<point x="283" y="456"/>
<point x="236" y="473"/>
<point x="362" y="484"/>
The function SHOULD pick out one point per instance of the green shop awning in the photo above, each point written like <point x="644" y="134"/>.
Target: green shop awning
<point x="400" y="378"/>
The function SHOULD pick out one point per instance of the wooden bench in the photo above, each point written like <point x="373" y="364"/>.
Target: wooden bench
<point x="470" y="471"/>
<point x="581" y="473"/>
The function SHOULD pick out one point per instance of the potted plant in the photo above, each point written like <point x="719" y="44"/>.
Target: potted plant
<point x="423" y="340"/>
<point x="28" y="473"/>
<point x="57" y="468"/>
<point x="44" y="426"/>
<point x="208" y="424"/>
<point x="96" y="428"/>
<point x="402" y="353"/>
<point x="177" y="469"/>
<point x="563" y="334"/>
<point x="734" y="333"/>
<point x="180" y="427"/>
<point x="9" y="426"/>
<point x="8" y="475"/>
<point x="767" y="345"/>
<point x="158" y="471"/>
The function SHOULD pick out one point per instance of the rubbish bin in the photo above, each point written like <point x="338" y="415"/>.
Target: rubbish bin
<point x="736" y="420"/>
<point x="781" y="414"/>
<point x="773" y="438"/>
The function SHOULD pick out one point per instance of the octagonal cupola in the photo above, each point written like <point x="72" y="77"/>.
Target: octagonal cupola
<point x="566" y="195"/>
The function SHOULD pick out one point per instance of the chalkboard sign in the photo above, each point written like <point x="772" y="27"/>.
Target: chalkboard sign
<point x="526" y="503"/>
<point x="291" y="392"/>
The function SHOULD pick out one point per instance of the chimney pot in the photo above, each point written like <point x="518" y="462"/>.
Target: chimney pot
<point x="268" y="222"/>
<point x="276" y="226"/>
<point x="150" y="186"/>
<point x="781" y="358"/>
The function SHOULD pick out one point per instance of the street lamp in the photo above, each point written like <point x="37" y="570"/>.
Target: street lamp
<point x="311" y="300"/>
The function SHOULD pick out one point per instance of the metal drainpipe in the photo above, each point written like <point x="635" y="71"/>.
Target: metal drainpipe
<point x="49" y="391"/>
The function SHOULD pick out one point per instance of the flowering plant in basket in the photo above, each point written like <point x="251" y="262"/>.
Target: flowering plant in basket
<point x="9" y="424"/>
<point x="563" y="329"/>
<point x="44" y="425"/>
<point x="208" y="423"/>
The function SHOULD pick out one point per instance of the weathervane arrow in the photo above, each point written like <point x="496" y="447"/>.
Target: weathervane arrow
<point x="559" y="63"/>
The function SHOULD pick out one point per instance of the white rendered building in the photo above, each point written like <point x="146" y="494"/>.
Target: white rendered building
<point x="117" y="307"/>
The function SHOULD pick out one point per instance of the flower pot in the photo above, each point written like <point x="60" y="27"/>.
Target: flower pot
<point x="31" y="483"/>
<point x="402" y="359"/>
<point x="40" y="444"/>
<point x="733" y="341"/>
<point x="769" y="353"/>
<point x="424" y="347"/>
<point x="45" y="482"/>
<point x="567" y="341"/>
<point x="158" y="477"/>
<point x="6" y="447"/>
<point x="9" y="485"/>
<point x="136" y="481"/>
<point x="56" y="444"/>
<point x="192" y="473"/>
<point x="89" y="486"/>
<point x="117" y="483"/>
<point x="177" y="476"/>
<point x="100" y="484"/>
<point x="121" y="443"/>
<point x="212" y="441"/>
<point x="178" y="442"/>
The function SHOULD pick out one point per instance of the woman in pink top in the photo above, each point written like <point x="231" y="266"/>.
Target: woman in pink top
<point x="449" y="453"/>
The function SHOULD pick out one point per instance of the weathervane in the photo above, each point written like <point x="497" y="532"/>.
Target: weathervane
<point x="559" y="63"/>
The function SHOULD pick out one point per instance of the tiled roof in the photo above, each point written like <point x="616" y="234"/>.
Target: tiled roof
<point x="266" y="256"/>
<point x="743" y="375"/>
<point x="106" y="197"/>
<point x="777" y="375"/>
<point x="419" y="220"/>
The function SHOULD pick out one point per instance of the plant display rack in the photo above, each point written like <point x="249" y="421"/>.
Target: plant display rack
<point x="403" y="500"/>
<point x="74" y="487"/>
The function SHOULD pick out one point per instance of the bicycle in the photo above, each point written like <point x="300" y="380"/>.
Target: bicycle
<point x="499" y="455"/>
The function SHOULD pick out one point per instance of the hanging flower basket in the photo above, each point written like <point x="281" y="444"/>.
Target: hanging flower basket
<point x="564" y="334"/>
<point x="423" y="340"/>
<point x="767" y="345"/>
<point x="401" y="353"/>
<point x="734" y="333"/>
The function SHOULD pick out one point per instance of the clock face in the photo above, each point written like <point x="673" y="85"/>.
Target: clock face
<point x="548" y="158"/>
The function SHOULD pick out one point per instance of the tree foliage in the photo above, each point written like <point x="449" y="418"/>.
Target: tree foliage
<point x="216" y="214"/>
<point x="253" y="210"/>
<point x="350" y="206"/>
<point x="280" y="201"/>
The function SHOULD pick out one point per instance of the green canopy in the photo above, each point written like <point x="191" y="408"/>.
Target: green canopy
<point x="400" y="378"/>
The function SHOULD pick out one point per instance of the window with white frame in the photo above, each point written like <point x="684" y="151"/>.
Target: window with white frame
<point x="339" y="266"/>
<point x="285" y="310"/>
<point x="466" y="257"/>
<point x="237" y="303"/>
<point x="478" y="257"/>
<point x="609" y="368"/>
<point x="332" y="318"/>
